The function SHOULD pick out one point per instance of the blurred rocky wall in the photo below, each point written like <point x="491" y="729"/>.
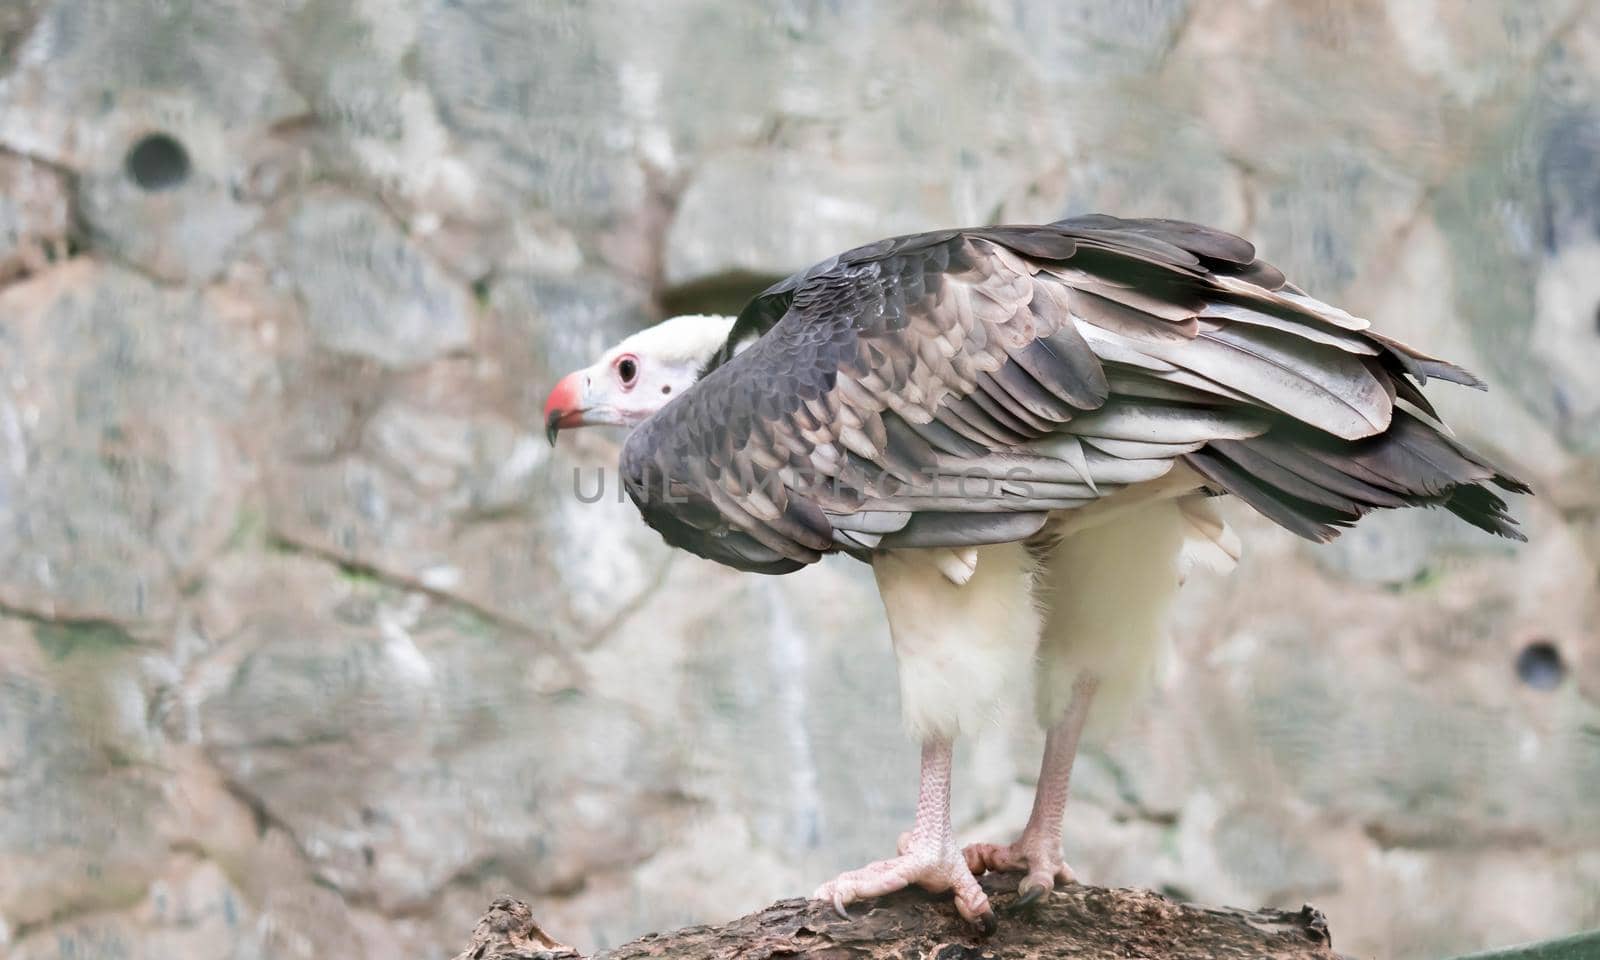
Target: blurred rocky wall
<point x="308" y="650"/>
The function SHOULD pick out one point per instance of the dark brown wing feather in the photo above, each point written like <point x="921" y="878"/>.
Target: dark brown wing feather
<point x="954" y="388"/>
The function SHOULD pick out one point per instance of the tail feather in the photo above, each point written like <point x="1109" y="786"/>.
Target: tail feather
<point x="1483" y="509"/>
<point x="1313" y="483"/>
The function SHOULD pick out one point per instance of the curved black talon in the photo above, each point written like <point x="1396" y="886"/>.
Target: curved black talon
<point x="1029" y="897"/>
<point x="838" y="907"/>
<point x="988" y="923"/>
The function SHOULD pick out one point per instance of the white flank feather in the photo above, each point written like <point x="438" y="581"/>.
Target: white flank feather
<point x="1106" y="591"/>
<point x="961" y="650"/>
<point x="1209" y="543"/>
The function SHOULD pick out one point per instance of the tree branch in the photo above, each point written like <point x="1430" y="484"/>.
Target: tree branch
<point x="1085" y="923"/>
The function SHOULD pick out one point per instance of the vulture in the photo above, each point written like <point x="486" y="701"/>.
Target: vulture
<point x="1023" y="430"/>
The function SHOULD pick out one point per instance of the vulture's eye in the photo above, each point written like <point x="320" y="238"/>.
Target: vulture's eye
<point x="628" y="369"/>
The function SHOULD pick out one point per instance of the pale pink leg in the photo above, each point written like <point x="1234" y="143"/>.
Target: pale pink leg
<point x="928" y="854"/>
<point x="1037" y="853"/>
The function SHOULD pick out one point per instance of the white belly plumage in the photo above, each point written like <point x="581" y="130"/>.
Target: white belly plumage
<point x="1088" y="598"/>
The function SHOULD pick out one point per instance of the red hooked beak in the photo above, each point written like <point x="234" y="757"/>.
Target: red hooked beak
<point x="564" y="406"/>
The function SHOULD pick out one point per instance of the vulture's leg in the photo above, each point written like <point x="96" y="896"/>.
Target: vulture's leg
<point x="928" y="856"/>
<point x="1037" y="853"/>
<point x="964" y="640"/>
<point x="1106" y="589"/>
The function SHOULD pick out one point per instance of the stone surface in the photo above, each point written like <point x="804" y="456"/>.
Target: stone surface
<point x="310" y="646"/>
<point x="367" y="292"/>
<point x="187" y="910"/>
<point x="536" y="130"/>
<point x="78" y="834"/>
<point x="122" y="468"/>
<point x="94" y="80"/>
<point x="35" y="215"/>
<point x="94" y="75"/>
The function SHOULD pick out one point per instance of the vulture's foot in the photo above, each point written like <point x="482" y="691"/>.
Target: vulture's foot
<point x="933" y="869"/>
<point x="1038" y="858"/>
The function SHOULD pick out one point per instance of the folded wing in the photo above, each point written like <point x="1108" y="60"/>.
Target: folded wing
<point x="956" y="388"/>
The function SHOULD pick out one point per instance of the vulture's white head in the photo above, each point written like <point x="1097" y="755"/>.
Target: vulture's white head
<point x="638" y="376"/>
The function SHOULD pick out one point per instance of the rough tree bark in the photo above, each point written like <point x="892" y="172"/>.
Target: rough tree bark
<point x="1080" y="922"/>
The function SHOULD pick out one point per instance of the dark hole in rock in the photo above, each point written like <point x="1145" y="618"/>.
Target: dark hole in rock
<point x="1540" y="666"/>
<point x="725" y="293"/>
<point x="1597" y="318"/>
<point x="157" y="162"/>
